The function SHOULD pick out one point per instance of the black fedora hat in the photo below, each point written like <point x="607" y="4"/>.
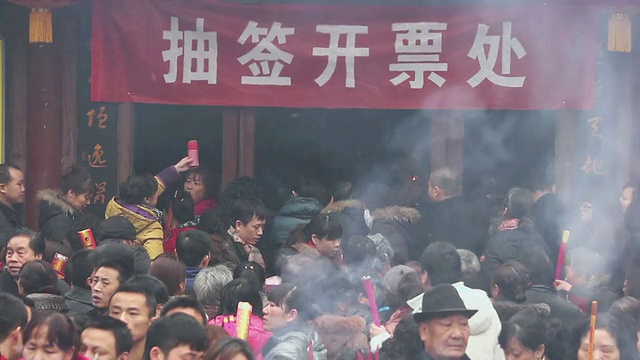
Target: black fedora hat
<point x="442" y="300"/>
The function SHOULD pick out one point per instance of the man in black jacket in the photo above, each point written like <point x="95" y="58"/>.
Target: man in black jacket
<point x="542" y="291"/>
<point x="548" y="215"/>
<point x="11" y="198"/>
<point x="448" y="218"/>
<point x="77" y="273"/>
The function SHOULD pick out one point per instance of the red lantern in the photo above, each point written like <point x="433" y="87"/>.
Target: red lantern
<point x="40" y="20"/>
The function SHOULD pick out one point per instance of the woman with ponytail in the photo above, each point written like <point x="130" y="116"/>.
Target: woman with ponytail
<point x="514" y="232"/>
<point x="287" y="315"/>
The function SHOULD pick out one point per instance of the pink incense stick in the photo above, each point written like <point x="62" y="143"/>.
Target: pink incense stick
<point x="368" y="288"/>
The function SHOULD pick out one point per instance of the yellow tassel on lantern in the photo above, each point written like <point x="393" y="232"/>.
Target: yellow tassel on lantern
<point x="40" y="26"/>
<point x="620" y="33"/>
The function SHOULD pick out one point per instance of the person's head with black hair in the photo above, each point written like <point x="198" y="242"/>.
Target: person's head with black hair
<point x="358" y="249"/>
<point x="251" y="271"/>
<point x="509" y="282"/>
<point x="230" y="349"/>
<point x="248" y="217"/>
<point x="135" y="304"/>
<point x="106" y="338"/>
<point x="200" y="183"/>
<point x="193" y="248"/>
<point x="440" y="264"/>
<point x="11" y="185"/>
<point x="536" y="260"/>
<point x="616" y="337"/>
<point x="13" y="319"/>
<point x="340" y="190"/>
<point x="186" y="305"/>
<point x="288" y="306"/>
<point x="24" y="245"/>
<point x="524" y="338"/>
<point x="76" y="186"/>
<point x="309" y="188"/>
<point x="139" y="190"/>
<point x="37" y="277"/>
<point x="175" y="337"/>
<point x="240" y="290"/>
<point x="141" y="260"/>
<point x="52" y="333"/>
<point x="113" y="264"/>
<point x="324" y="231"/>
<point x="168" y="269"/>
<point x="153" y="286"/>
<point x="239" y="188"/>
<point x="182" y="208"/>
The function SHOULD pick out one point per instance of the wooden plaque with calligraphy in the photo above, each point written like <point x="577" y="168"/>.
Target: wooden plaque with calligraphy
<point x="97" y="126"/>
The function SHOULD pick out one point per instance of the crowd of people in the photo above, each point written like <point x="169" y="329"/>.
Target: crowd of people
<point x="348" y="271"/>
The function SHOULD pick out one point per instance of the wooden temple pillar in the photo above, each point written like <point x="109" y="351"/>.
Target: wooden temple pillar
<point x="447" y="140"/>
<point x="238" y="143"/>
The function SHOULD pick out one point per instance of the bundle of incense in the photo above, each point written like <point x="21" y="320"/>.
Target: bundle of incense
<point x="561" y="255"/>
<point x="88" y="241"/>
<point x="592" y="328"/>
<point x="371" y="294"/>
<point x="242" y="321"/>
<point x="59" y="263"/>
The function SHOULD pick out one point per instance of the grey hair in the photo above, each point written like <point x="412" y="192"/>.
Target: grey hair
<point x="209" y="282"/>
<point x="470" y="262"/>
<point x="448" y="180"/>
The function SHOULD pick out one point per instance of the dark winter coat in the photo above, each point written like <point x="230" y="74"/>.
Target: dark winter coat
<point x="455" y="222"/>
<point x="79" y="300"/>
<point x="509" y="245"/>
<point x="8" y="284"/>
<point x="548" y="215"/>
<point x="296" y="211"/>
<point x="294" y="345"/>
<point x="11" y="218"/>
<point x="396" y="224"/>
<point x="506" y="309"/>
<point x="56" y="215"/>
<point x="351" y="215"/>
<point x="342" y="336"/>
<point x="561" y="309"/>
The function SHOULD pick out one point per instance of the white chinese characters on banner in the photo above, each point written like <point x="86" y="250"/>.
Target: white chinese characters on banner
<point x="488" y="61"/>
<point x="418" y="46"/>
<point x="199" y="53"/>
<point x="334" y="51"/>
<point x="264" y="53"/>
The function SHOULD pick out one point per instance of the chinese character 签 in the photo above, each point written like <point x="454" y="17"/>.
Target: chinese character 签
<point x="349" y="51"/>
<point x="100" y="193"/>
<point x="199" y="46"/>
<point x="95" y="159"/>
<point x="594" y="166"/>
<point x="488" y="61"/>
<point x="419" y="46"/>
<point x="263" y="53"/>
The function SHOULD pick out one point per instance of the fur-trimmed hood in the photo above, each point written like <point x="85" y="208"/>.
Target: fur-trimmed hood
<point x="54" y="198"/>
<point x="506" y="309"/>
<point x="397" y="213"/>
<point x="340" y="333"/>
<point x="340" y="206"/>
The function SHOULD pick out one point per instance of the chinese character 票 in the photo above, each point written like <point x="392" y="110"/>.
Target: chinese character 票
<point x="199" y="46"/>
<point x="349" y="51"/>
<point x="488" y="61"/>
<point x="419" y="45"/>
<point x="263" y="53"/>
<point x="595" y="166"/>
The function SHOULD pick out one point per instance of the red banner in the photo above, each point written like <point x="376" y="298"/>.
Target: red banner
<point x="208" y="52"/>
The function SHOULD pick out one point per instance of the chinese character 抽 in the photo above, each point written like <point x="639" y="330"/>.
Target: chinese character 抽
<point x="488" y="60"/>
<point x="334" y="51"/>
<point x="594" y="166"/>
<point x="199" y="46"/>
<point x="264" y="53"/>
<point x="418" y="46"/>
<point x="95" y="159"/>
